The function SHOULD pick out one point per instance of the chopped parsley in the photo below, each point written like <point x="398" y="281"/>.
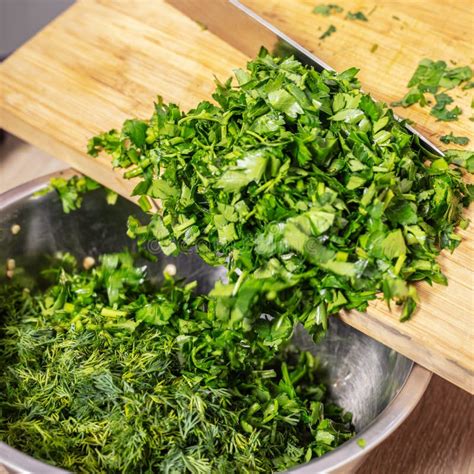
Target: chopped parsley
<point x="441" y="112"/>
<point x="71" y="191"/>
<point x="328" y="32"/>
<point x="431" y="76"/>
<point x="453" y="139"/>
<point x="312" y="195"/>
<point x="356" y="16"/>
<point x="327" y="9"/>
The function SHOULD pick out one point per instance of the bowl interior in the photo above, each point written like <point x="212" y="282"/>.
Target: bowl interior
<point x="363" y="375"/>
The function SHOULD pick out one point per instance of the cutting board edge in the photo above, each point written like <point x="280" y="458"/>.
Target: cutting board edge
<point x="82" y="162"/>
<point x="396" y="339"/>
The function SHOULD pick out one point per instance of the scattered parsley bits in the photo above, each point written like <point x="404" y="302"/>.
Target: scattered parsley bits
<point x="328" y="32"/>
<point x="103" y="373"/>
<point x="111" y="197"/>
<point x="453" y="139"/>
<point x="356" y="16"/>
<point x="440" y="111"/>
<point x="312" y="195"/>
<point x="429" y="77"/>
<point x="327" y="9"/>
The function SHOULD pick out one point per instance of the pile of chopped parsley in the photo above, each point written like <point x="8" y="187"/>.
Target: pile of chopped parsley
<point x="311" y="193"/>
<point x="101" y="372"/>
<point x="315" y="199"/>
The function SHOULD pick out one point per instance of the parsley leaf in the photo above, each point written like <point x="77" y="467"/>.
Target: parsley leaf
<point x="356" y="16"/>
<point x="462" y="158"/>
<point x="453" y="139"/>
<point x="328" y="32"/>
<point x="440" y="111"/>
<point x="71" y="191"/>
<point x="327" y="9"/>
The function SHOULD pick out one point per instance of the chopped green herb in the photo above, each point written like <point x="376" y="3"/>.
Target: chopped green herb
<point x="440" y="111"/>
<point x="111" y="197"/>
<point x="463" y="158"/>
<point x="361" y="442"/>
<point x="455" y="76"/>
<point x="356" y="16"/>
<point x="453" y="139"/>
<point x="328" y="32"/>
<point x="311" y="193"/>
<point x="429" y="77"/>
<point x="374" y="48"/>
<point x="395" y="17"/>
<point x="327" y="9"/>
<point x="103" y="373"/>
<point x="71" y="191"/>
<point x="468" y="85"/>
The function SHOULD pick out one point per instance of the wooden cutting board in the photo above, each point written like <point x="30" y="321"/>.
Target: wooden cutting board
<point x="103" y="61"/>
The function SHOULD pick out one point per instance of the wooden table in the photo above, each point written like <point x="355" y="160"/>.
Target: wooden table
<point x="437" y="438"/>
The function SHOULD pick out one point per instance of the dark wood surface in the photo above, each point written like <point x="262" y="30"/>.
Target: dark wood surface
<point x="437" y="438"/>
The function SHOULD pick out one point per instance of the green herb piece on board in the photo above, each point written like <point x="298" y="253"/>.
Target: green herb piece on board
<point x="453" y="139"/>
<point x="463" y="159"/>
<point x="440" y="111"/>
<point x="328" y="32"/>
<point x="356" y="16"/>
<point x="429" y="77"/>
<point x="327" y="9"/>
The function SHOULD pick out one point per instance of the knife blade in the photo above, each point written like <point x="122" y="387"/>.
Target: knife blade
<point x="245" y="30"/>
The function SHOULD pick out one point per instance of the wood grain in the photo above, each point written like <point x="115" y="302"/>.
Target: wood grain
<point x="105" y="60"/>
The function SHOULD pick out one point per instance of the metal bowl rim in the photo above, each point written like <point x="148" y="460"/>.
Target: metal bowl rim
<point x="350" y="452"/>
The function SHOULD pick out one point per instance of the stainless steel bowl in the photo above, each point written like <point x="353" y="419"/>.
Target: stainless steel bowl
<point x="379" y="386"/>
